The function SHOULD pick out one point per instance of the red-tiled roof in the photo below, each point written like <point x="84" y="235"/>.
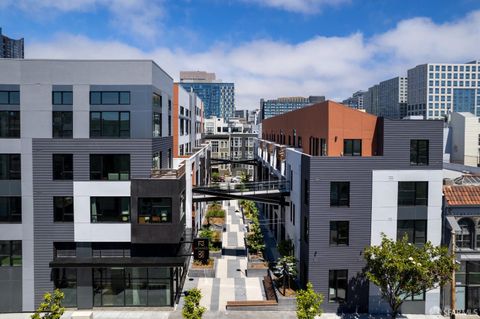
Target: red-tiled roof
<point x="457" y="195"/>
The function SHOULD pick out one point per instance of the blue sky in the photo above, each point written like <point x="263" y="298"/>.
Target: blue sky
<point x="269" y="48"/>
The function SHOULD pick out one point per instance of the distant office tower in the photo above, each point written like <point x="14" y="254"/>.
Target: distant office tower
<point x="218" y="97"/>
<point x="356" y="100"/>
<point x="437" y="89"/>
<point x="270" y="108"/>
<point x="388" y="98"/>
<point x="10" y="48"/>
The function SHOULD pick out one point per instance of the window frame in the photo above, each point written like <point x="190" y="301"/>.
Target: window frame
<point x="11" y="173"/>
<point x="62" y="132"/>
<point x="63" y="174"/>
<point x="120" y="200"/>
<point x="11" y="256"/>
<point x="10" y="99"/>
<point x="417" y="200"/>
<point x="119" y="97"/>
<point x="349" y="150"/>
<point x="63" y="215"/>
<point x="336" y="240"/>
<point x="415" y="229"/>
<point x="333" y="275"/>
<point x="12" y="218"/>
<point x="103" y="167"/>
<point x="62" y="94"/>
<point x="12" y="119"/>
<point x="101" y="128"/>
<point x="150" y="204"/>
<point x="415" y="158"/>
<point x="338" y="201"/>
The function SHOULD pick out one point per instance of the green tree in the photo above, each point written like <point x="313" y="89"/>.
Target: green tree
<point x="285" y="247"/>
<point x="402" y="270"/>
<point x="215" y="177"/>
<point x="191" y="308"/>
<point x="255" y="238"/>
<point x="245" y="177"/>
<point x="51" y="307"/>
<point x="286" y="269"/>
<point x="309" y="303"/>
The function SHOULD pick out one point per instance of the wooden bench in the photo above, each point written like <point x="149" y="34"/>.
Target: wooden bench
<point x="250" y="303"/>
<point x="269" y="289"/>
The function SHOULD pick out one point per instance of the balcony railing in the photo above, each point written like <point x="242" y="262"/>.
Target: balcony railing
<point x="168" y="173"/>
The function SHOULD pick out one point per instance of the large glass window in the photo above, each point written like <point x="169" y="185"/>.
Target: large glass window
<point x="65" y="279"/>
<point x="154" y="210"/>
<point x="339" y="233"/>
<point x="10" y="253"/>
<point x="62" y="124"/>
<point x="465" y="236"/>
<point x="412" y="193"/>
<point x="157" y="124"/>
<point x="109" y="124"/>
<point x="352" y="147"/>
<point x="10" y="97"/>
<point x="110" y="209"/>
<point x="63" y="209"/>
<point x="339" y="193"/>
<point x="111" y="167"/>
<point x="156" y="100"/>
<point x="10" y="209"/>
<point x="9" y="166"/>
<point x="418" y="152"/>
<point x="62" y="166"/>
<point x="9" y="124"/>
<point x="109" y="97"/>
<point x="416" y="231"/>
<point x="132" y="287"/>
<point x="62" y="97"/>
<point x="337" y="285"/>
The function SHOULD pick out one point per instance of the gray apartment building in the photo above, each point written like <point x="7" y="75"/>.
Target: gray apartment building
<point x="350" y="181"/>
<point x="11" y="48"/>
<point x="388" y="98"/>
<point x="91" y="202"/>
<point x="274" y="107"/>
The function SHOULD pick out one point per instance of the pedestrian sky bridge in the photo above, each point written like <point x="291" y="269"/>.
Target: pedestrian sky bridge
<point x="246" y="161"/>
<point x="271" y="192"/>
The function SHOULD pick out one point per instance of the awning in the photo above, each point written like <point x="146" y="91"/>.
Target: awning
<point x="472" y="257"/>
<point x="452" y="221"/>
<point x="77" y="262"/>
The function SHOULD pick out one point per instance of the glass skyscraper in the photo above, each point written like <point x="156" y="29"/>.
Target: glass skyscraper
<point x="10" y="48"/>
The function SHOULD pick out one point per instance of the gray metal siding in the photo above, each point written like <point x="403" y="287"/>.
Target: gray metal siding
<point x="358" y="171"/>
<point x="10" y="289"/>
<point x="46" y="231"/>
<point x="163" y="144"/>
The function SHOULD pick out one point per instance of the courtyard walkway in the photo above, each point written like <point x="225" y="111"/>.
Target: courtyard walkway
<point x="230" y="282"/>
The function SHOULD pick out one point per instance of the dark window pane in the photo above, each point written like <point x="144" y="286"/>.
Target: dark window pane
<point x="9" y="124"/>
<point x="4" y="97"/>
<point x="57" y="98"/>
<point x="339" y="233"/>
<point x="67" y="98"/>
<point x="110" y="124"/>
<point x="352" y="147"/>
<point x="337" y="285"/>
<point x="63" y="166"/>
<point x="11" y="209"/>
<point x="412" y="193"/>
<point x="14" y="97"/>
<point x="10" y="253"/>
<point x="110" y="167"/>
<point x="415" y="230"/>
<point x="154" y="210"/>
<point x="109" y="97"/>
<point x="95" y="98"/>
<point x="9" y="166"/>
<point x="110" y="209"/>
<point x="339" y="193"/>
<point x="65" y="279"/>
<point x="63" y="209"/>
<point x="124" y="98"/>
<point x="62" y="124"/>
<point x="419" y="152"/>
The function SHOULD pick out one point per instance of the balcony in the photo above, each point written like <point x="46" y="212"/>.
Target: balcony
<point x="168" y="173"/>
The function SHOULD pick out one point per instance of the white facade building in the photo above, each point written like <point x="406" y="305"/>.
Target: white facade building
<point x="465" y="133"/>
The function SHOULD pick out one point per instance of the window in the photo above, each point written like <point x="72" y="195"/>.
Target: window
<point x="63" y="209"/>
<point x="337" y="285"/>
<point x="156" y="100"/>
<point x="416" y="231"/>
<point x="109" y="124"/>
<point x="339" y="233"/>
<point x="62" y="166"/>
<point x="62" y="97"/>
<point x="418" y="297"/>
<point x="306" y="198"/>
<point x="418" y="152"/>
<point x="10" y="166"/>
<point x="306" y="229"/>
<point x="292" y="214"/>
<point x="111" y="167"/>
<point x="157" y="124"/>
<point x="62" y="124"/>
<point x="10" y="209"/>
<point x="110" y="209"/>
<point x="352" y="147"/>
<point x="10" y="97"/>
<point x="10" y="253"/>
<point x="169" y="125"/>
<point x="154" y="210"/>
<point x="65" y="279"/>
<point x="339" y="193"/>
<point x="109" y="98"/>
<point x="299" y="141"/>
<point x="464" y="238"/>
<point x="9" y="124"/>
<point x="412" y="193"/>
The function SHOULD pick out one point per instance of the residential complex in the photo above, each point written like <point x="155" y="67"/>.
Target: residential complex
<point x="270" y="108"/>
<point x="464" y="139"/>
<point x="353" y="177"/>
<point x="10" y="48"/>
<point x="93" y="200"/>
<point x="218" y="97"/>
<point x="387" y="99"/>
<point x="438" y="89"/>
<point x="356" y="100"/>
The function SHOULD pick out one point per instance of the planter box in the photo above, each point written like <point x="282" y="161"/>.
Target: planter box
<point x="203" y="273"/>
<point x="216" y="254"/>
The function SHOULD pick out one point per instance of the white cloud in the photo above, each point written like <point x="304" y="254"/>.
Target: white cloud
<point x="331" y="66"/>
<point x="140" y="17"/>
<point x="302" y="6"/>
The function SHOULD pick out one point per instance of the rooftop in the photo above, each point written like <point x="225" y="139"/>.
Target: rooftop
<point x="462" y="195"/>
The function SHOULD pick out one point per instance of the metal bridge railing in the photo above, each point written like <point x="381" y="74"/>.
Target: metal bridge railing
<point x="251" y="188"/>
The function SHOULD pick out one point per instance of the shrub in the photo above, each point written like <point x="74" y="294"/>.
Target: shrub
<point x="309" y="303"/>
<point x="51" y="307"/>
<point x="191" y="308"/>
<point x="215" y="213"/>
